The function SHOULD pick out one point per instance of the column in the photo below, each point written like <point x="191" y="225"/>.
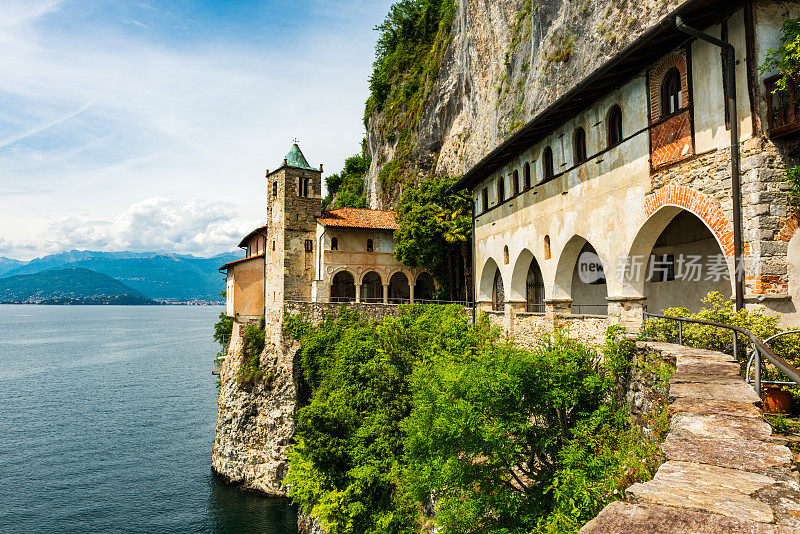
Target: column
<point x="386" y="293"/>
<point x="626" y="311"/>
<point x="358" y="293"/>
<point x="411" y="292"/>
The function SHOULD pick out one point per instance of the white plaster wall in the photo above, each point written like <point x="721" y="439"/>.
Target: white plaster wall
<point x="709" y="105"/>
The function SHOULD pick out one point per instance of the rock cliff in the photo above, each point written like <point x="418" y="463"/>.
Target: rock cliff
<point x="255" y="421"/>
<point x="505" y="62"/>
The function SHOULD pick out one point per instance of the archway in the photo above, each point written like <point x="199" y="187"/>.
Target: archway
<point x="498" y="292"/>
<point x="684" y="263"/>
<point x="371" y="287"/>
<point x="486" y="285"/>
<point x="588" y="287"/>
<point x="343" y="287"/>
<point x="527" y="283"/>
<point x="399" y="291"/>
<point x="534" y="289"/>
<point x="424" y="288"/>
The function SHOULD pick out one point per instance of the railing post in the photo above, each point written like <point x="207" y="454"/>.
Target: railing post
<point x="680" y="332"/>
<point x="735" y="348"/>
<point x="757" y="371"/>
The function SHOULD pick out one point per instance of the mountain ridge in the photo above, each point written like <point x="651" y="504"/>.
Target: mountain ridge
<point x="68" y="286"/>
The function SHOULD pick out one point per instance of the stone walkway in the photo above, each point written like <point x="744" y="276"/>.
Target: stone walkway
<point x="722" y="471"/>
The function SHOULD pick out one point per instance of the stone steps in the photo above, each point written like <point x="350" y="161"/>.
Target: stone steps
<point x="722" y="471"/>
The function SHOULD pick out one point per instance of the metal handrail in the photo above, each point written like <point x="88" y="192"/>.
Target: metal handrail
<point x="759" y="347"/>
<point x="753" y="357"/>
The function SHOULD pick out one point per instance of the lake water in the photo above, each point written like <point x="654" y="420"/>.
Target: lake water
<point x="107" y="421"/>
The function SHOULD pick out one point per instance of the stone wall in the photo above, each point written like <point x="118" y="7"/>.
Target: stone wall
<point x="526" y="329"/>
<point x="315" y="312"/>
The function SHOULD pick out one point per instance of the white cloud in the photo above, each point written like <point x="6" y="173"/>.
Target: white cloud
<point x="153" y="225"/>
<point x="94" y="115"/>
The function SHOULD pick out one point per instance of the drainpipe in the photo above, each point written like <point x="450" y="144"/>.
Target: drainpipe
<point x="729" y="57"/>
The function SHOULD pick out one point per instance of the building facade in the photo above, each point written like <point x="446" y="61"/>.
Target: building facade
<point x="618" y="196"/>
<point x="306" y="255"/>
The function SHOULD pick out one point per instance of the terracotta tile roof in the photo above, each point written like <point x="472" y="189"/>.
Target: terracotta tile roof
<point x="359" y="218"/>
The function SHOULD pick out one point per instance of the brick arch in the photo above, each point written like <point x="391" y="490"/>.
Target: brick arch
<point x="699" y="204"/>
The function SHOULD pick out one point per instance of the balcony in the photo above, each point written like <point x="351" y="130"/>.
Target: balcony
<point x="783" y="108"/>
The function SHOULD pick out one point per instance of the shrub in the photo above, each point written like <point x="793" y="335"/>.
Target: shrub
<point x="223" y="329"/>
<point x="254" y="340"/>
<point x="721" y="310"/>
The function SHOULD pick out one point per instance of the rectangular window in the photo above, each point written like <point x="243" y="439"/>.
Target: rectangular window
<point x="309" y="245"/>
<point x="501" y="190"/>
<point x="662" y="268"/>
<point x="274" y="189"/>
<point x="485" y="199"/>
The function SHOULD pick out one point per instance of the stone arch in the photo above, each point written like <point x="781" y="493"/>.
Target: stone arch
<point x="519" y="291"/>
<point x="562" y="285"/>
<point x="371" y="287"/>
<point x="406" y="272"/>
<point x="343" y="287"/>
<point x="399" y="289"/>
<point x="691" y="285"/>
<point x="490" y="267"/>
<point x="700" y="205"/>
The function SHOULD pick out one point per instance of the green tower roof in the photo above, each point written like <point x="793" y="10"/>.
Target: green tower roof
<point x="295" y="158"/>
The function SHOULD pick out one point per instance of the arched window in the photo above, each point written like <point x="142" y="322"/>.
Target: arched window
<point x="579" y="145"/>
<point x="527" y="175"/>
<point x="671" y="92"/>
<point x="516" y="182"/>
<point x="547" y="247"/>
<point x="505" y="255"/>
<point x="274" y="189"/>
<point x="485" y="199"/>
<point x="501" y="190"/>
<point x="370" y="246"/>
<point x="547" y="163"/>
<point x="614" y="127"/>
<point x="334" y="243"/>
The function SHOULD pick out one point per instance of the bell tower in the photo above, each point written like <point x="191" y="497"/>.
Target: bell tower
<point x="294" y="201"/>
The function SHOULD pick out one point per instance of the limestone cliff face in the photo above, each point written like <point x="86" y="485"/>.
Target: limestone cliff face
<point x="507" y="60"/>
<point x="255" y="422"/>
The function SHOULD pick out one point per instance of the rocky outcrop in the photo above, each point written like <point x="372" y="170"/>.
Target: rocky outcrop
<point x="722" y="471"/>
<point x="506" y="61"/>
<point x="255" y="421"/>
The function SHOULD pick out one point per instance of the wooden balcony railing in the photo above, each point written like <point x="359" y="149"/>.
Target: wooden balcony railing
<point x="783" y="108"/>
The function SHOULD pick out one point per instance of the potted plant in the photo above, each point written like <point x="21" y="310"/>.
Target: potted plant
<point x="776" y="399"/>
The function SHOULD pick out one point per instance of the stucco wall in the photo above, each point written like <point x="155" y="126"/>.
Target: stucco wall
<point x="248" y="287"/>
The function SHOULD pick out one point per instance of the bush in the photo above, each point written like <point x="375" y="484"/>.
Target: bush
<point x="254" y="340"/>
<point x="428" y="409"/>
<point x="721" y="310"/>
<point x="223" y="329"/>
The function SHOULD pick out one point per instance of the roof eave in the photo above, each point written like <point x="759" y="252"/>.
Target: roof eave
<point x="497" y="157"/>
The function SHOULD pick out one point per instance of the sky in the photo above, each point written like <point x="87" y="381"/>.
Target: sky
<point x="148" y="126"/>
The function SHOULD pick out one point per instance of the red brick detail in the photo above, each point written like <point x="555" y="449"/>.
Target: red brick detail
<point x="789" y="227"/>
<point x="699" y="204"/>
<point x="764" y="284"/>
<point x="670" y="141"/>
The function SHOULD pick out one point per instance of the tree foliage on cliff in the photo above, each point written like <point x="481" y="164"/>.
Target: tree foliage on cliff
<point x="411" y="45"/>
<point x="427" y="405"/>
<point x="434" y="232"/>
<point x="346" y="188"/>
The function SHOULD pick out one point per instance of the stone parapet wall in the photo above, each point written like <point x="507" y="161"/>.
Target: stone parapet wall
<point x="526" y="329"/>
<point x="315" y="312"/>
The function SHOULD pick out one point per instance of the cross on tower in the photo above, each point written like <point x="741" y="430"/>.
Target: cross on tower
<point x="295" y="140"/>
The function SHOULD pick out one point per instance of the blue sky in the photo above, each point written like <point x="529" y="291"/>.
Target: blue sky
<point x="149" y="125"/>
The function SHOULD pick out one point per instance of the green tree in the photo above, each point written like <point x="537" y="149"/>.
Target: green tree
<point x="346" y="188"/>
<point x="434" y="232"/>
<point x="786" y="58"/>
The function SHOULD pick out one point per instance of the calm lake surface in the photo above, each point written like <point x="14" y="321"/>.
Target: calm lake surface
<point x="107" y="420"/>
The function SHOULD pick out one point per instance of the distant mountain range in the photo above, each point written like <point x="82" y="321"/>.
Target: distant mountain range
<point x="68" y="286"/>
<point x="163" y="277"/>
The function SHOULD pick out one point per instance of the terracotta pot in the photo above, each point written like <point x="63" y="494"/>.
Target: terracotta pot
<point x="776" y="400"/>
